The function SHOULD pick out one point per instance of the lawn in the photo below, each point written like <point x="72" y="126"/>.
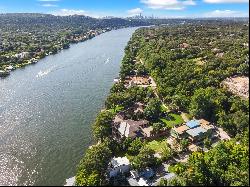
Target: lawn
<point x="157" y="145"/>
<point x="174" y="119"/>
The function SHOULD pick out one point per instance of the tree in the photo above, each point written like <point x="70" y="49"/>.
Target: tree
<point x="144" y="159"/>
<point x="234" y="123"/>
<point x="91" y="167"/>
<point x="184" y="144"/>
<point x="119" y="87"/>
<point x="166" y="153"/>
<point x="135" y="146"/>
<point x="224" y="165"/>
<point x="208" y="103"/>
<point x="158" y="127"/>
<point x="207" y="143"/>
<point x="126" y="144"/>
<point x="141" y="70"/>
<point x="175" y="181"/>
<point x="153" y="109"/>
<point x="102" y="126"/>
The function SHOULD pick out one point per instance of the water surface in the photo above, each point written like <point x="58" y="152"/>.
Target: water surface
<point x="46" y="110"/>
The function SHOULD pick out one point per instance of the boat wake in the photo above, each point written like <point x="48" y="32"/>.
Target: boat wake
<point x="107" y="61"/>
<point x="46" y="72"/>
<point x="70" y="181"/>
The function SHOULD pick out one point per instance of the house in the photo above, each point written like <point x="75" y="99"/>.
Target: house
<point x="147" y="173"/>
<point x="129" y="128"/>
<point x="207" y="125"/>
<point x="195" y="130"/>
<point x="193" y="148"/>
<point x="22" y="55"/>
<point x="137" y="182"/>
<point x="197" y="134"/>
<point x="141" y="178"/>
<point x="219" y="55"/>
<point x="179" y="132"/>
<point x="216" y="50"/>
<point x="193" y="124"/>
<point x="184" y="45"/>
<point x="148" y="131"/>
<point x="119" y="165"/>
<point x="139" y="107"/>
<point x="143" y="81"/>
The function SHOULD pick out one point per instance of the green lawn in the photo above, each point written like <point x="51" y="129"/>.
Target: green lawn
<point x="157" y="145"/>
<point x="174" y="119"/>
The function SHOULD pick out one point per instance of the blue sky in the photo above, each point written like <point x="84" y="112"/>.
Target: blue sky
<point x="123" y="8"/>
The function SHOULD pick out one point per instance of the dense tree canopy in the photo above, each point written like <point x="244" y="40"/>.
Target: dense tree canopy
<point x="224" y="165"/>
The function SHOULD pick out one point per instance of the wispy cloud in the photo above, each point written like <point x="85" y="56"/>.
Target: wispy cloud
<point x="168" y="4"/>
<point x="49" y="5"/>
<point x="226" y="1"/>
<point x="135" y="11"/>
<point x="226" y="13"/>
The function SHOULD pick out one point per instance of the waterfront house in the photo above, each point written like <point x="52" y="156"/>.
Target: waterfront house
<point x="142" y="81"/>
<point x="119" y="165"/>
<point x="179" y="132"/>
<point x="122" y="128"/>
<point x="131" y="129"/>
<point x="22" y="55"/>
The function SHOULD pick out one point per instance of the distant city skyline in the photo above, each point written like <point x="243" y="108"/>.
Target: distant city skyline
<point x="127" y="8"/>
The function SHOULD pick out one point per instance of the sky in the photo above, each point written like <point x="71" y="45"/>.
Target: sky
<point x="125" y="8"/>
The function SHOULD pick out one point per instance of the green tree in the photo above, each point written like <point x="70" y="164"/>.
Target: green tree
<point x="144" y="159"/>
<point x="184" y="144"/>
<point x="158" y="127"/>
<point x="208" y="103"/>
<point x="153" y="109"/>
<point x="102" y="126"/>
<point x="91" y="167"/>
<point x="207" y="143"/>
<point x="135" y="146"/>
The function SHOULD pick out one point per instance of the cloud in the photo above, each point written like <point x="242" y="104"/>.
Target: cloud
<point x="135" y="11"/>
<point x="225" y="13"/>
<point x="49" y="5"/>
<point x="69" y="12"/>
<point x="168" y="4"/>
<point x="226" y="1"/>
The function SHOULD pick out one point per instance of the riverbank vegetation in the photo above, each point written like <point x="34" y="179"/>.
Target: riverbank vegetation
<point x="170" y="74"/>
<point x="26" y="38"/>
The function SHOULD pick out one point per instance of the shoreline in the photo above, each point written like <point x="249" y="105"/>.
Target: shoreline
<point x="32" y="61"/>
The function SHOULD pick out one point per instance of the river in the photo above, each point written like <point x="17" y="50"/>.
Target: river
<point x="46" y="109"/>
